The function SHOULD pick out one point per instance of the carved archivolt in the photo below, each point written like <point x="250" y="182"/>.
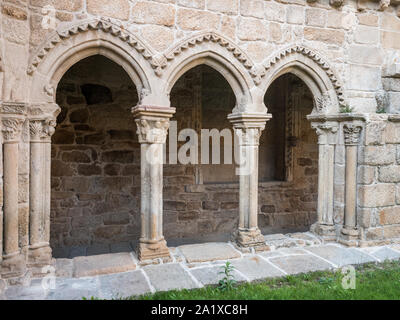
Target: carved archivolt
<point x="212" y="37"/>
<point x="308" y="53"/>
<point x="95" y="24"/>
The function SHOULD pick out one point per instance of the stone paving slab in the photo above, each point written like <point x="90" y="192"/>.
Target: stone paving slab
<point x="295" y="264"/>
<point x="166" y="277"/>
<point x="255" y="268"/>
<point x="34" y="292"/>
<point x="64" y="268"/>
<point x="125" y="281"/>
<point x="103" y="264"/>
<point x="211" y="275"/>
<point x="208" y="252"/>
<point x="74" y="289"/>
<point x="123" y="285"/>
<point x="270" y="254"/>
<point x="341" y="256"/>
<point x="385" y="254"/>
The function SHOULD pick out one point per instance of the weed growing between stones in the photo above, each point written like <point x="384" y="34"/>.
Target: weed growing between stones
<point x="228" y="282"/>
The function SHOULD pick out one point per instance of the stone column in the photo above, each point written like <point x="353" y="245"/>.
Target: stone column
<point x="13" y="260"/>
<point x="248" y="129"/>
<point x="352" y="133"/>
<point x="39" y="191"/>
<point x="327" y="139"/>
<point x="152" y="128"/>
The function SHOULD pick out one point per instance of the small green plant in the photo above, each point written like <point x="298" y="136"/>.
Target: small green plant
<point x="345" y="108"/>
<point x="228" y="282"/>
<point x="381" y="110"/>
<point x="91" y="298"/>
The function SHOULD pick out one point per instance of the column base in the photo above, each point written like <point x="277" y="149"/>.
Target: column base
<point x="349" y="236"/>
<point x="39" y="256"/>
<point x="250" y="238"/>
<point x="13" y="266"/>
<point x="326" y="231"/>
<point x="149" y="250"/>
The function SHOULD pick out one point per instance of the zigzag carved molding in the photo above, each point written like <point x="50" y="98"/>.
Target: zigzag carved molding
<point x="95" y="24"/>
<point x="213" y="37"/>
<point x="308" y="53"/>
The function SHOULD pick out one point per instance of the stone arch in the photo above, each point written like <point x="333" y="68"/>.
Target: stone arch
<point x="220" y="54"/>
<point x="68" y="45"/>
<point x="310" y="67"/>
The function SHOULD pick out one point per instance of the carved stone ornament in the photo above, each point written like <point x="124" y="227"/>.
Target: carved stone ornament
<point x="323" y="103"/>
<point x="300" y="49"/>
<point x="41" y="129"/>
<point x="152" y="130"/>
<point x="248" y="136"/>
<point x="326" y="132"/>
<point x="352" y="133"/>
<point x="213" y="37"/>
<point x="11" y="129"/>
<point x="94" y="24"/>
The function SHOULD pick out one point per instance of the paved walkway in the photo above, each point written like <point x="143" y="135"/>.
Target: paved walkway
<point x="194" y="266"/>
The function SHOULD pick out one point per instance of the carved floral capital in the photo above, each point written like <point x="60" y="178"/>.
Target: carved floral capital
<point x="11" y="129"/>
<point x="326" y="132"/>
<point x="41" y="129"/>
<point x="248" y="136"/>
<point x="352" y="134"/>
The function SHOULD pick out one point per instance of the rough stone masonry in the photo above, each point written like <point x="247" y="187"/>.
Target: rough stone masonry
<point x="88" y="87"/>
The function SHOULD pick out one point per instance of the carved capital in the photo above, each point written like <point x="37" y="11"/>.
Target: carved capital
<point x="152" y="130"/>
<point x="152" y="123"/>
<point x="352" y="133"/>
<point x="248" y="136"/>
<point x="11" y="129"/>
<point x="248" y="127"/>
<point x="326" y="132"/>
<point x="41" y="129"/>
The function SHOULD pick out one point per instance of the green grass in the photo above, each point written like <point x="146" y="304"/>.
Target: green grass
<point x="373" y="281"/>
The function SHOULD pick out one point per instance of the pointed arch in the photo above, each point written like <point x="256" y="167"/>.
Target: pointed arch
<point x="66" y="46"/>
<point x="222" y="55"/>
<point x="310" y="67"/>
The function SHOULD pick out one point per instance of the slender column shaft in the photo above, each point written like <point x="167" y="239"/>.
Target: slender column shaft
<point x="13" y="264"/>
<point x="248" y="189"/>
<point x="248" y="129"/>
<point x="327" y="136"/>
<point x="351" y="187"/>
<point x="352" y="133"/>
<point x="11" y="246"/>
<point x="152" y="127"/>
<point x="151" y="191"/>
<point x="36" y="190"/>
<point x="325" y="184"/>
<point x="39" y="191"/>
<point x="47" y="186"/>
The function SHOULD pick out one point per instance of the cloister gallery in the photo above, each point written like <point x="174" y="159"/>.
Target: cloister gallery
<point x="309" y="91"/>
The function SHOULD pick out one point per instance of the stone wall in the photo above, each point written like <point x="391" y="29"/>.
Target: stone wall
<point x="379" y="181"/>
<point x="95" y="157"/>
<point x="356" y="38"/>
